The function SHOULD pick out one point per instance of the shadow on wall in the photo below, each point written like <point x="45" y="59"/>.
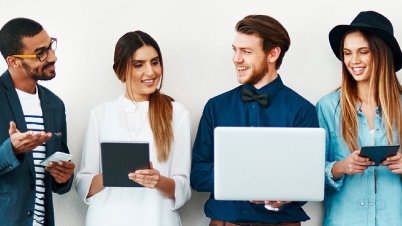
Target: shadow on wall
<point x="192" y="213"/>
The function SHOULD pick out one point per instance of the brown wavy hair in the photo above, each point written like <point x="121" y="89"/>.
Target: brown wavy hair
<point x="160" y="105"/>
<point x="384" y="87"/>
<point x="271" y="32"/>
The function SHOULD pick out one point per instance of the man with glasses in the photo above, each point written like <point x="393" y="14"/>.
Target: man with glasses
<point x="32" y="127"/>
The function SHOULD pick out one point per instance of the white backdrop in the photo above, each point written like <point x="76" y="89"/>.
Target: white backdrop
<point x="195" y="38"/>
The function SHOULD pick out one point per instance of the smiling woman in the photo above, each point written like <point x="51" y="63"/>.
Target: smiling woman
<point x="364" y="111"/>
<point x="145" y="74"/>
<point x="141" y="114"/>
<point x="357" y="57"/>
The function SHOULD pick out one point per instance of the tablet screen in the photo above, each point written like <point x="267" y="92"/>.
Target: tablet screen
<point x="121" y="158"/>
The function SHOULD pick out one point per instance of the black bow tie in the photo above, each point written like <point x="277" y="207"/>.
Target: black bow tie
<point x="248" y="96"/>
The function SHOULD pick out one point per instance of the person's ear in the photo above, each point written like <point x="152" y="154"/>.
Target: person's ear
<point x="273" y="55"/>
<point x="12" y="62"/>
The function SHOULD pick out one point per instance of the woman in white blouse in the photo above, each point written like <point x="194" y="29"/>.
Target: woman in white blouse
<point x="141" y="114"/>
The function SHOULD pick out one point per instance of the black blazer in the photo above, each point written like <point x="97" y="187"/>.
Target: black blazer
<point x="17" y="173"/>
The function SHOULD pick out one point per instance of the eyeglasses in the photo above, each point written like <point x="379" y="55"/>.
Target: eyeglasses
<point x="43" y="54"/>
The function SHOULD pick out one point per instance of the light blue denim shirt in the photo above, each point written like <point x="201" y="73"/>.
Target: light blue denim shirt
<point x="351" y="199"/>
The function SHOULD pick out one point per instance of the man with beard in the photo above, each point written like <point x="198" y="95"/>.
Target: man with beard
<point x="261" y="101"/>
<point x="27" y="111"/>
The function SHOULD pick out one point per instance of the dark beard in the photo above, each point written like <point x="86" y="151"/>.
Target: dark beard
<point x="258" y="74"/>
<point x="34" y="72"/>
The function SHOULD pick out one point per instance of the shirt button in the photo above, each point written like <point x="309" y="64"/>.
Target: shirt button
<point x="246" y="212"/>
<point x="371" y="204"/>
<point x="29" y="213"/>
<point x="362" y="203"/>
<point x="253" y="106"/>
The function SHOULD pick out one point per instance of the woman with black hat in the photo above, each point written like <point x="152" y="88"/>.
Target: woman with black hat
<point x="364" y="111"/>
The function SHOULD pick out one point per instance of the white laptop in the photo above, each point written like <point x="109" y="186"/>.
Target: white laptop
<point x="268" y="163"/>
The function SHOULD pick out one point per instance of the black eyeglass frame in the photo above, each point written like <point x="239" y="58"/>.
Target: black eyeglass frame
<point x="42" y="54"/>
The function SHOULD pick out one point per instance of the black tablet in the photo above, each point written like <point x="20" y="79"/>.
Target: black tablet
<point x="121" y="158"/>
<point x="379" y="153"/>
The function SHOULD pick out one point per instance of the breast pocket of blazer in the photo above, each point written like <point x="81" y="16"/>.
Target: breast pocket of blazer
<point x="57" y="138"/>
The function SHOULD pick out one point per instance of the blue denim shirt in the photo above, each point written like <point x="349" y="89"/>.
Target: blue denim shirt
<point x="351" y="199"/>
<point x="286" y="108"/>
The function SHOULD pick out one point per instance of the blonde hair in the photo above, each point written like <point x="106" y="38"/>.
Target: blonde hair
<point x="384" y="86"/>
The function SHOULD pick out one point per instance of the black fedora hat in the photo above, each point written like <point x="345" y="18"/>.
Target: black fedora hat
<point x="373" y="22"/>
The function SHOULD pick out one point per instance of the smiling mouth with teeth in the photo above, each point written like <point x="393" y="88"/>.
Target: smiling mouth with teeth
<point x="242" y="68"/>
<point x="358" y="69"/>
<point x="148" y="81"/>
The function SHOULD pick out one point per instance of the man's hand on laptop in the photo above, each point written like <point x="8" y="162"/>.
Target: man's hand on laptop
<point x="271" y="205"/>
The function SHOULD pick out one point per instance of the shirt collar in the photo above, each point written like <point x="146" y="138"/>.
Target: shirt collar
<point x="131" y="106"/>
<point x="271" y="88"/>
<point x="358" y="109"/>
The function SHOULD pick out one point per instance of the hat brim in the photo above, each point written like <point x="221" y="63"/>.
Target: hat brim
<point x="337" y="33"/>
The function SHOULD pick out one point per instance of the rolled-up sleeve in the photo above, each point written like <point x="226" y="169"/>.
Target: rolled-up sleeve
<point x="329" y="178"/>
<point x="329" y="163"/>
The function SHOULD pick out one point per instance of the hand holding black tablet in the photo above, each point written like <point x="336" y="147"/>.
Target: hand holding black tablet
<point x="121" y="158"/>
<point x="379" y="153"/>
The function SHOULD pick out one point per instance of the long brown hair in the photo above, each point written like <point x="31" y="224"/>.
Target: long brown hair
<point x="160" y="105"/>
<point x="384" y="87"/>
